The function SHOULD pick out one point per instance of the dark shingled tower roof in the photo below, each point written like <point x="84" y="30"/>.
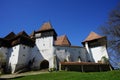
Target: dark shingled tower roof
<point x="10" y="36"/>
<point x="22" y="38"/>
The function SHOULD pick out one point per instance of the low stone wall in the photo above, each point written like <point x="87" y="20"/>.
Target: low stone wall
<point x="84" y="66"/>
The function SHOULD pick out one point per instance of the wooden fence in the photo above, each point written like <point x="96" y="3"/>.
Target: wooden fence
<point x="84" y="66"/>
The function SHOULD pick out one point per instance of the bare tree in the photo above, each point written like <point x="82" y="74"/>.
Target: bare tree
<point x="112" y="30"/>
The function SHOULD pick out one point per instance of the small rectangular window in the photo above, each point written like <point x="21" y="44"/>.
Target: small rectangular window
<point x="43" y="44"/>
<point x="24" y="47"/>
<point x="58" y="49"/>
<point x="65" y="50"/>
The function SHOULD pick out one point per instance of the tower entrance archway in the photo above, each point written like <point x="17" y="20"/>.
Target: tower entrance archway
<point x="44" y="64"/>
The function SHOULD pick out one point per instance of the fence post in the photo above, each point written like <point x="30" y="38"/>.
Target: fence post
<point x="59" y="66"/>
<point x="99" y="68"/>
<point x="82" y="68"/>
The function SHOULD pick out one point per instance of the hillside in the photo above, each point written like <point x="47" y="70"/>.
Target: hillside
<point x="110" y="75"/>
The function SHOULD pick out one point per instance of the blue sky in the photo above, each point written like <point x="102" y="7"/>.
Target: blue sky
<point x="75" y="18"/>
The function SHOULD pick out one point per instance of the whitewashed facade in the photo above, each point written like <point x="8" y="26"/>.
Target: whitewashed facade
<point x="44" y="50"/>
<point x="71" y="54"/>
<point x="96" y="47"/>
<point x="3" y="55"/>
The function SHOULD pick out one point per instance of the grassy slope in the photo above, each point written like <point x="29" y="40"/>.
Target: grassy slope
<point x="111" y="75"/>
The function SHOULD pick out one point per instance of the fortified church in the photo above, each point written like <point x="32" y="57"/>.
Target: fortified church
<point x="44" y="49"/>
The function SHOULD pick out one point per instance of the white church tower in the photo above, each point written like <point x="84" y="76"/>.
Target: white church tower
<point x="44" y="40"/>
<point x="96" y="47"/>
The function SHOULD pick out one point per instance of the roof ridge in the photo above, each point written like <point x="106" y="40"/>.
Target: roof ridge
<point x="46" y="26"/>
<point x="10" y="36"/>
<point x="62" y="40"/>
<point x="91" y="36"/>
<point x="23" y="33"/>
<point x="61" y="35"/>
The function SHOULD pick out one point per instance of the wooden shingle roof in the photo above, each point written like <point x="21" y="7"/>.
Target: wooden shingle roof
<point x="92" y="36"/>
<point x="46" y="26"/>
<point x="62" y="41"/>
<point x="22" y="38"/>
<point x="23" y="33"/>
<point x="10" y="36"/>
<point x="4" y="43"/>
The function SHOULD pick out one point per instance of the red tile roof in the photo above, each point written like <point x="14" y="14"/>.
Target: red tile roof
<point x="82" y="63"/>
<point x="62" y="41"/>
<point x="92" y="36"/>
<point x="46" y="26"/>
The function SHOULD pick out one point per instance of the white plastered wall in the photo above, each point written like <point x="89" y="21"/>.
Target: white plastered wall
<point x="44" y="46"/>
<point x="99" y="52"/>
<point x="71" y="53"/>
<point x="13" y="57"/>
<point x="3" y="55"/>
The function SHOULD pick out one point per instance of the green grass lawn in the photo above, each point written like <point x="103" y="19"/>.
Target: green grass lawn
<point x="110" y="75"/>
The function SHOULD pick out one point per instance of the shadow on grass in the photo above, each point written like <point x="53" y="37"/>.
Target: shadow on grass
<point x="11" y="78"/>
<point x="17" y="77"/>
<point x="3" y="79"/>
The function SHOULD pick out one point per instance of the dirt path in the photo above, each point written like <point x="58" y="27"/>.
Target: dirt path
<point x="8" y="76"/>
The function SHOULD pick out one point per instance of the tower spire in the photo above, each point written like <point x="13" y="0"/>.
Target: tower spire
<point x="46" y="30"/>
<point x="46" y="26"/>
<point x="92" y="36"/>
